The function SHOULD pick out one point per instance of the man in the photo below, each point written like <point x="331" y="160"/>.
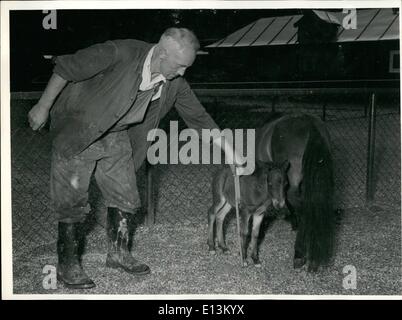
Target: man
<point x="111" y="95"/>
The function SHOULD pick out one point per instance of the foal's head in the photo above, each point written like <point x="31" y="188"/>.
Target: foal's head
<point x="277" y="182"/>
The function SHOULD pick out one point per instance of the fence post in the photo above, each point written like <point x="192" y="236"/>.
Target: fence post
<point x="150" y="217"/>
<point x="371" y="149"/>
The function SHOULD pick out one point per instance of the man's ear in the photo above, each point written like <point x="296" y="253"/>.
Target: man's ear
<point x="163" y="53"/>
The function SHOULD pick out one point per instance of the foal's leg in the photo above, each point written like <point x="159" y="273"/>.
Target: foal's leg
<point x="211" y="229"/>
<point x="244" y="226"/>
<point x="257" y="219"/>
<point x="220" y="217"/>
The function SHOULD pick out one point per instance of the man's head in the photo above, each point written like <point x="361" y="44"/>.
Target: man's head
<point x="176" y="51"/>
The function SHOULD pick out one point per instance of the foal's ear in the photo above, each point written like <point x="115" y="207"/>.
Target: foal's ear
<point x="285" y="165"/>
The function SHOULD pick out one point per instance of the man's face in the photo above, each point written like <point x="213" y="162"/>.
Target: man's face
<point x="175" y="61"/>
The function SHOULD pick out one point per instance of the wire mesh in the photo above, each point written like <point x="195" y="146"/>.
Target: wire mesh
<point x="182" y="193"/>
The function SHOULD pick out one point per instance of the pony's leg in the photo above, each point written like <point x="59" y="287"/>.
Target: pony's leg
<point x="244" y="226"/>
<point x="220" y="217"/>
<point x="257" y="219"/>
<point x="293" y="199"/>
<point x="300" y="251"/>
<point x="299" y="259"/>
<point x="293" y="202"/>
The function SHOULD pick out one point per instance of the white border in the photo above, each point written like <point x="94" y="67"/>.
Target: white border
<point x="195" y="4"/>
<point x="6" y="226"/>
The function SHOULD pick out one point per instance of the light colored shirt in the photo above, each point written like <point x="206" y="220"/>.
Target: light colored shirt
<point x="147" y="81"/>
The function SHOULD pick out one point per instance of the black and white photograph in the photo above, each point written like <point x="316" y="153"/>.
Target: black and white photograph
<point x="200" y="150"/>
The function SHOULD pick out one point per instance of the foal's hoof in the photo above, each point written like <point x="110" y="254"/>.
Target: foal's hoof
<point x="212" y="252"/>
<point x="245" y="263"/>
<point x="298" y="262"/>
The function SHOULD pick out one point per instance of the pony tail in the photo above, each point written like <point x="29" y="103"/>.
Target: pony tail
<point x="317" y="225"/>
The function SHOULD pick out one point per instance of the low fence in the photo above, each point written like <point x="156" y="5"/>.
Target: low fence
<point x="365" y="131"/>
<point x="182" y="193"/>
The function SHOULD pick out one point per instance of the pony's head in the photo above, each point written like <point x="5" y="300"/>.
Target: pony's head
<point x="277" y="182"/>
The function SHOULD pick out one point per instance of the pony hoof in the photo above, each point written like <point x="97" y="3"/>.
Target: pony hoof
<point x="257" y="265"/>
<point x="245" y="263"/>
<point x="212" y="252"/>
<point x="299" y="262"/>
<point x="312" y="267"/>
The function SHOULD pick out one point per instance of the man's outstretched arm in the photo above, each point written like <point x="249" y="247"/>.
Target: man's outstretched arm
<point x="39" y="113"/>
<point x="196" y="117"/>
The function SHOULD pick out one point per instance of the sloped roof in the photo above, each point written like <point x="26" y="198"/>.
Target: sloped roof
<point x="372" y="25"/>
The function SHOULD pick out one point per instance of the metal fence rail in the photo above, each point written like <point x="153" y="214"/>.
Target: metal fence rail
<point x="182" y="193"/>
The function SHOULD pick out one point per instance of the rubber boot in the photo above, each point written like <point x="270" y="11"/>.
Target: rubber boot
<point x="69" y="269"/>
<point x="120" y="231"/>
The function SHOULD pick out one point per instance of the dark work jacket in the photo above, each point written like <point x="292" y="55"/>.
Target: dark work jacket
<point x="103" y="83"/>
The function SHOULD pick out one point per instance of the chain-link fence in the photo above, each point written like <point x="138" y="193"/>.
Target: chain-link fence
<point x="182" y="193"/>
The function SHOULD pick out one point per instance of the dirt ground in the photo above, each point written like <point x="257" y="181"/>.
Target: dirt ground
<point x="368" y="239"/>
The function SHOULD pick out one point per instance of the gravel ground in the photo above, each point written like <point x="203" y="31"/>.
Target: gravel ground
<point x="368" y="239"/>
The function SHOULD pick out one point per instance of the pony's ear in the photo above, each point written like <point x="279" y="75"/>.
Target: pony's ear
<point x="285" y="165"/>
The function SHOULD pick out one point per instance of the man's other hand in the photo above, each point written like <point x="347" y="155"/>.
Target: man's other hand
<point x="38" y="116"/>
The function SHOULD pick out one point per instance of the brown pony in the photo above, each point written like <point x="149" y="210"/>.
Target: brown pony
<point x="258" y="191"/>
<point x="303" y="140"/>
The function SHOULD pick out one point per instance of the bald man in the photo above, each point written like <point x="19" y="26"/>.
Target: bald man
<point x="103" y="100"/>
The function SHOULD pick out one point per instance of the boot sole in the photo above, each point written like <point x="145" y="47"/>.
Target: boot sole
<point x="114" y="265"/>
<point x="76" y="286"/>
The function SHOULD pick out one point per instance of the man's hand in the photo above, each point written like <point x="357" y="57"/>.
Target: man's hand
<point x="39" y="113"/>
<point x="236" y="161"/>
<point x="38" y="116"/>
<point x="240" y="170"/>
<point x="239" y="164"/>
